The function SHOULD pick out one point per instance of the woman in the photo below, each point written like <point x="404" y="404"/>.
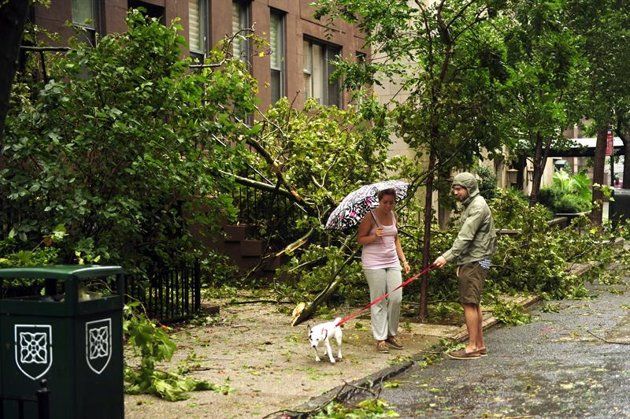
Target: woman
<point x="381" y="258"/>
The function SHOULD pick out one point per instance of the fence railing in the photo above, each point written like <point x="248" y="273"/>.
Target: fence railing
<point x="168" y="294"/>
<point x="41" y="399"/>
<point x="268" y="210"/>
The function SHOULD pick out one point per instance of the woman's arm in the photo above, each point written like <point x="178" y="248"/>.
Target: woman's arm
<point x="364" y="237"/>
<point x="401" y="256"/>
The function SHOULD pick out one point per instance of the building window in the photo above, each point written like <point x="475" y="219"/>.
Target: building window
<point x="197" y="27"/>
<point x="240" y="23"/>
<point x="149" y="10"/>
<point x="276" y="40"/>
<point x="318" y="68"/>
<point x="85" y="15"/>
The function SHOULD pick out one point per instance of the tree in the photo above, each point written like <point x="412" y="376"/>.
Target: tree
<point x="540" y="95"/>
<point x="124" y="147"/>
<point x="604" y="27"/>
<point x="447" y="57"/>
<point x="13" y="15"/>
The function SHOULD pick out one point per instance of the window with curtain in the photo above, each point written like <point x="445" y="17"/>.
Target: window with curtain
<point x="240" y="21"/>
<point x="197" y="26"/>
<point x="276" y="41"/>
<point x="318" y="68"/>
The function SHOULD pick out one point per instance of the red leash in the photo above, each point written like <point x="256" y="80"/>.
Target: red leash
<point x="384" y="296"/>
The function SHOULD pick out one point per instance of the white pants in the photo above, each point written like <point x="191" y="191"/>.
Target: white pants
<point x="385" y="314"/>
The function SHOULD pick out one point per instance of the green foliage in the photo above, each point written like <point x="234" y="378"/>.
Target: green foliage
<point x="448" y="58"/>
<point x="488" y="182"/>
<point x="568" y="193"/>
<point x="511" y="313"/>
<point x="316" y="156"/>
<point x="325" y="152"/>
<point x="306" y="274"/>
<point x="366" y="409"/>
<point x="44" y="253"/>
<point x="603" y="27"/>
<point x="550" y="308"/>
<point x="120" y="146"/>
<point x="534" y="260"/>
<point x="153" y="345"/>
<point x="218" y="270"/>
<point x="540" y="94"/>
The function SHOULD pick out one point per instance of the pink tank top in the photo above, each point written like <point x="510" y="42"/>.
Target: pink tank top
<point x="381" y="253"/>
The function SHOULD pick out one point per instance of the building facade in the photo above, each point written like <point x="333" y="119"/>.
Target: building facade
<point x="297" y="64"/>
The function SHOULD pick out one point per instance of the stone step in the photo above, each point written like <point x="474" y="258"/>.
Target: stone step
<point x="252" y="248"/>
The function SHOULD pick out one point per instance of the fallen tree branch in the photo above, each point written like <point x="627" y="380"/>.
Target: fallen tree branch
<point x="608" y="341"/>
<point x="259" y="301"/>
<point x="323" y="296"/>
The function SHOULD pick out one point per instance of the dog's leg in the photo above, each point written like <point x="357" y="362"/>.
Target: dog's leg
<point x="317" y="358"/>
<point x="329" y="350"/>
<point x="339" y="339"/>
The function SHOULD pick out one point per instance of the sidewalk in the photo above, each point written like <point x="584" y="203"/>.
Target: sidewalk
<point x="270" y="367"/>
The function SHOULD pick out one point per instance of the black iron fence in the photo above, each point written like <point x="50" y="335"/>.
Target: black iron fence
<point x="41" y="399"/>
<point x="169" y="294"/>
<point x="273" y="214"/>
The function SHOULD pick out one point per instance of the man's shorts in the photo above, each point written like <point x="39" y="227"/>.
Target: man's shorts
<point x="471" y="277"/>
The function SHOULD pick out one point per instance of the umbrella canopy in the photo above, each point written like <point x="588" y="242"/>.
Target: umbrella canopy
<point x="356" y="204"/>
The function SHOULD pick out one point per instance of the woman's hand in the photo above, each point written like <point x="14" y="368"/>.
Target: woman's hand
<point x="379" y="232"/>
<point x="406" y="267"/>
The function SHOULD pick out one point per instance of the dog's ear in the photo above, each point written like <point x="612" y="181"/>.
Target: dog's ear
<point x="308" y="328"/>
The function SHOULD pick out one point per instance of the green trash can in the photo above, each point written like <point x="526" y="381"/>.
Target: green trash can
<point x="63" y="324"/>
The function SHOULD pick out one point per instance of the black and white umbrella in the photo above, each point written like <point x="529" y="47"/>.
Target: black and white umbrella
<point x="356" y="204"/>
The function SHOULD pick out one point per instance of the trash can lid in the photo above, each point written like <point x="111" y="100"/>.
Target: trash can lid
<point x="61" y="271"/>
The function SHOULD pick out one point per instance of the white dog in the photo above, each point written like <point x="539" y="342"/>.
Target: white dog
<point x="323" y="333"/>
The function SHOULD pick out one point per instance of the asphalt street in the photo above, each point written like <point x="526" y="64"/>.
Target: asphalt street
<point x="552" y="367"/>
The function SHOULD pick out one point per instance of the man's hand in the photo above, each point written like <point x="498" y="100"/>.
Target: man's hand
<point x="439" y="262"/>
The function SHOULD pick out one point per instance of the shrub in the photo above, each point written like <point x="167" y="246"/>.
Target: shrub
<point x="568" y="193"/>
<point x="120" y="147"/>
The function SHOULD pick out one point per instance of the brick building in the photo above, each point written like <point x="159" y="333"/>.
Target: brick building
<point x="301" y="47"/>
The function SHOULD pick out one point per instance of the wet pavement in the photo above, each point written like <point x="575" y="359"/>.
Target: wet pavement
<point x="560" y="365"/>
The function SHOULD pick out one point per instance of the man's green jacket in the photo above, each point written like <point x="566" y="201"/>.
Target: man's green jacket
<point x="477" y="237"/>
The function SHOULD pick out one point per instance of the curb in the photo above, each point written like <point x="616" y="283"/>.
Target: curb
<point x="344" y="392"/>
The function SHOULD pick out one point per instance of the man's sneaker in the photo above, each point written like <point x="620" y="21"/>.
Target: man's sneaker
<point x="462" y="354"/>
<point x="393" y="342"/>
<point x="381" y="347"/>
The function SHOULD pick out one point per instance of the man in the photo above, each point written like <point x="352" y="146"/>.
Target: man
<point x="471" y="251"/>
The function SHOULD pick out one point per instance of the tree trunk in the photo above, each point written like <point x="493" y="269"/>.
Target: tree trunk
<point x="13" y="14"/>
<point x="521" y="164"/>
<point x="625" y="137"/>
<point x="444" y="210"/>
<point x="539" y="166"/>
<point x="598" y="176"/>
<point x="426" y="242"/>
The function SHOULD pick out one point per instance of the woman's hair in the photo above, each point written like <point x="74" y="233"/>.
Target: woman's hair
<point x="390" y="191"/>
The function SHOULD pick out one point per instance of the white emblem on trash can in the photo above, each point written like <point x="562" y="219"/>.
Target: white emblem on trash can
<point x="33" y="349"/>
<point x="98" y="344"/>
